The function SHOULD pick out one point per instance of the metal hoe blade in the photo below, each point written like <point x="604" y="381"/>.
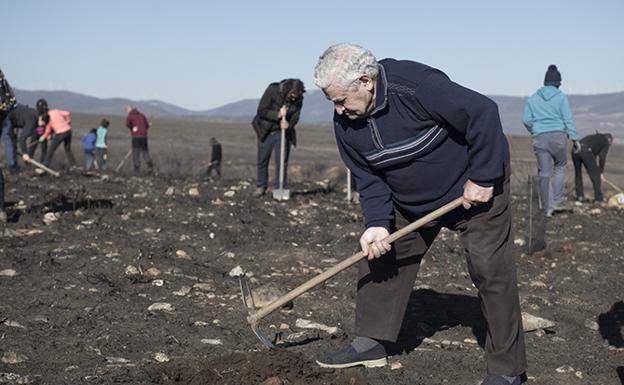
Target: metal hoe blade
<point x="248" y="301"/>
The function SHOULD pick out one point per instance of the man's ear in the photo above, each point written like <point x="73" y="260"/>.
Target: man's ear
<point x="367" y="82"/>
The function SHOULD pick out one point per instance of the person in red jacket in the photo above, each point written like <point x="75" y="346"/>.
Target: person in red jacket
<point x="138" y="125"/>
<point x="59" y="123"/>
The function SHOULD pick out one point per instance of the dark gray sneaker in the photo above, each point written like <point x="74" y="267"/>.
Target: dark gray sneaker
<point x="500" y="380"/>
<point x="373" y="358"/>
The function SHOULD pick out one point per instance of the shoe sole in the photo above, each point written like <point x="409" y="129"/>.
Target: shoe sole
<point x="367" y="363"/>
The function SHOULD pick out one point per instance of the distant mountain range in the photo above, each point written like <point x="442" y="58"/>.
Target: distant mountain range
<point x="603" y="112"/>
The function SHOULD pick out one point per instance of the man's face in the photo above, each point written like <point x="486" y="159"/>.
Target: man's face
<point x="356" y="102"/>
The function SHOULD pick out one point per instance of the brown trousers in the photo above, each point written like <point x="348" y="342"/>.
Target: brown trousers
<point x="385" y="284"/>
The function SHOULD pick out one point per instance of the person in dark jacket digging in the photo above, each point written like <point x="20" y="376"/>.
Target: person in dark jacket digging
<point x="414" y="141"/>
<point x="279" y="107"/>
<point x="593" y="155"/>
<point x="24" y="120"/>
<point x="214" y="167"/>
<point x="138" y="125"/>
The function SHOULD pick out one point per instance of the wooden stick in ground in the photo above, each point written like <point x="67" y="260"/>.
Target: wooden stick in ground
<point x="253" y="318"/>
<point x="618" y="189"/>
<point x="41" y="166"/>
<point x="123" y="161"/>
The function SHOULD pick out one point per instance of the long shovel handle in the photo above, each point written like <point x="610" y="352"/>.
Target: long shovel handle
<point x="123" y="160"/>
<point x="254" y="317"/>
<point x="617" y="188"/>
<point x="41" y="166"/>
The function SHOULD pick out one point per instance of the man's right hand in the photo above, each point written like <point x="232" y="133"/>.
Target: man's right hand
<point x="41" y="139"/>
<point x="282" y="112"/>
<point x="25" y="157"/>
<point x="135" y="129"/>
<point x="373" y="244"/>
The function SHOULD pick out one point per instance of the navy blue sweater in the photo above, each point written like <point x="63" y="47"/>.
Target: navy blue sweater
<point x="425" y="138"/>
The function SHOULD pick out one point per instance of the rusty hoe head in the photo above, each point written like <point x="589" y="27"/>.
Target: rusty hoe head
<point x="248" y="301"/>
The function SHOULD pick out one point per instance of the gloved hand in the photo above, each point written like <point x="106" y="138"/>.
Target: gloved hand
<point x="576" y="146"/>
<point x="41" y="139"/>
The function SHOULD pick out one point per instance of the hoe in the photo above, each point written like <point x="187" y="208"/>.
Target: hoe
<point x="255" y="316"/>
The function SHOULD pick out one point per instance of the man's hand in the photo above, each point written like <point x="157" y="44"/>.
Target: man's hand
<point x="372" y="242"/>
<point x="135" y="129"/>
<point x="475" y="194"/>
<point x="576" y="147"/>
<point x="41" y="139"/>
<point x="284" y="123"/>
<point x="25" y="157"/>
<point x="282" y="112"/>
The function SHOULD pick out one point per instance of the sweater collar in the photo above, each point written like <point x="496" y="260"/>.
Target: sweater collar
<point x="381" y="92"/>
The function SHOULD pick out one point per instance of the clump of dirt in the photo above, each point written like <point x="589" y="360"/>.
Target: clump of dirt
<point x="273" y="367"/>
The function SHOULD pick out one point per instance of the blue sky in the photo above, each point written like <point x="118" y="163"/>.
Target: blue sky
<point x="203" y="54"/>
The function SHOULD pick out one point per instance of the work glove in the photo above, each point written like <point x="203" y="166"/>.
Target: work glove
<point x="576" y="147"/>
<point x="41" y="139"/>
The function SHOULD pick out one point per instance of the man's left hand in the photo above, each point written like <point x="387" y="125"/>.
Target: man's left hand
<point x="475" y="194"/>
<point x="284" y="124"/>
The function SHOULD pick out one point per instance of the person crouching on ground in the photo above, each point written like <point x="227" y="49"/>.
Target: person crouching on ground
<point x="414" y="141"/>
<point x="138" y="125"/>
<point x="59" y="123"/>
<point x="88" y="141"/>
<point x="101" y="144"/>
<point x="593" y="155"/>
<point x="214" y="167"/>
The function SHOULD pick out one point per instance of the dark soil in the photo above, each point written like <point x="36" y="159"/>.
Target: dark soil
<point x="76" y="313"/>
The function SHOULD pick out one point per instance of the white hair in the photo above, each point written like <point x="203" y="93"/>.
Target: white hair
<point x="343" y="64"/>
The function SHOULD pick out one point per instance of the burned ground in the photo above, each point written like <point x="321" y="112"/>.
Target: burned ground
<point x="128" y="282"/>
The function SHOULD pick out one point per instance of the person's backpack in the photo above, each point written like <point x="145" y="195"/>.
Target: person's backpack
<point x="261" y="127"/>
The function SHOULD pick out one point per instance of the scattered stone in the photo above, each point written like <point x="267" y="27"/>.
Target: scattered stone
<point x="161" y="306"/>
<point x="158" y="282"/>
<point x="140" y="195"/>
<point x="616" y="201"/>
<point x="230" y="255"/>
<point x="13" y="358"/>
<point x="194" y="192"/>
<point x="125" y="217"/>
<point x="564" y="369"/>
<point x="395" y="366"/>
<point x="236" y="272"/>
<point x="211" y="341"/>
<point x="595" y="211"/>
<point x="13" y="324"/>
<point x="272" y="381"/>
<point x="116" y="360"/>
<point x="578" y="227"/>
<point x="307" y="324"/>
<point x="169" y="191"/>
<point x="264" y="295"/>
<point x="161" y="357"/>
<point x="8" y="273"/>
<point x="203" y="286"/>
<point x="200" y="323"/>
<point x="152" y="272"/>
<point x="184" y="290"/>
<point x="181" y="254"/>
<point x="49" y="218"/>
<point x="519" y="242"/>
<point x="229" y="194"/>
<point x="537" y="284"/>
<point x="531" y="322"/>
<point x="132" y="270"/>
<point x="593" y="325"/>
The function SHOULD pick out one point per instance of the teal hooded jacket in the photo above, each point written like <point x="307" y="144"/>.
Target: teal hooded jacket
<point x="547" y="110"/>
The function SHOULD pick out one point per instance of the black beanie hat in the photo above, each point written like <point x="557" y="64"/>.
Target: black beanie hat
<point x="553" y="76"/>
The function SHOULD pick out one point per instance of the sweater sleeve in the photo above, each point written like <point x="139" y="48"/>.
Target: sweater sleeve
<point x="264" y="107"/>
<point x="602" y="158"/>
<point x="527" y="117"/>
<point x="475" y="117"/>
<point x="375" y="195"/>
<point x="568" y="119"/>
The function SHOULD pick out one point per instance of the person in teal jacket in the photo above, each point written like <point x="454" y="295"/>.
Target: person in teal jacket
<point x="548" y="118"/>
